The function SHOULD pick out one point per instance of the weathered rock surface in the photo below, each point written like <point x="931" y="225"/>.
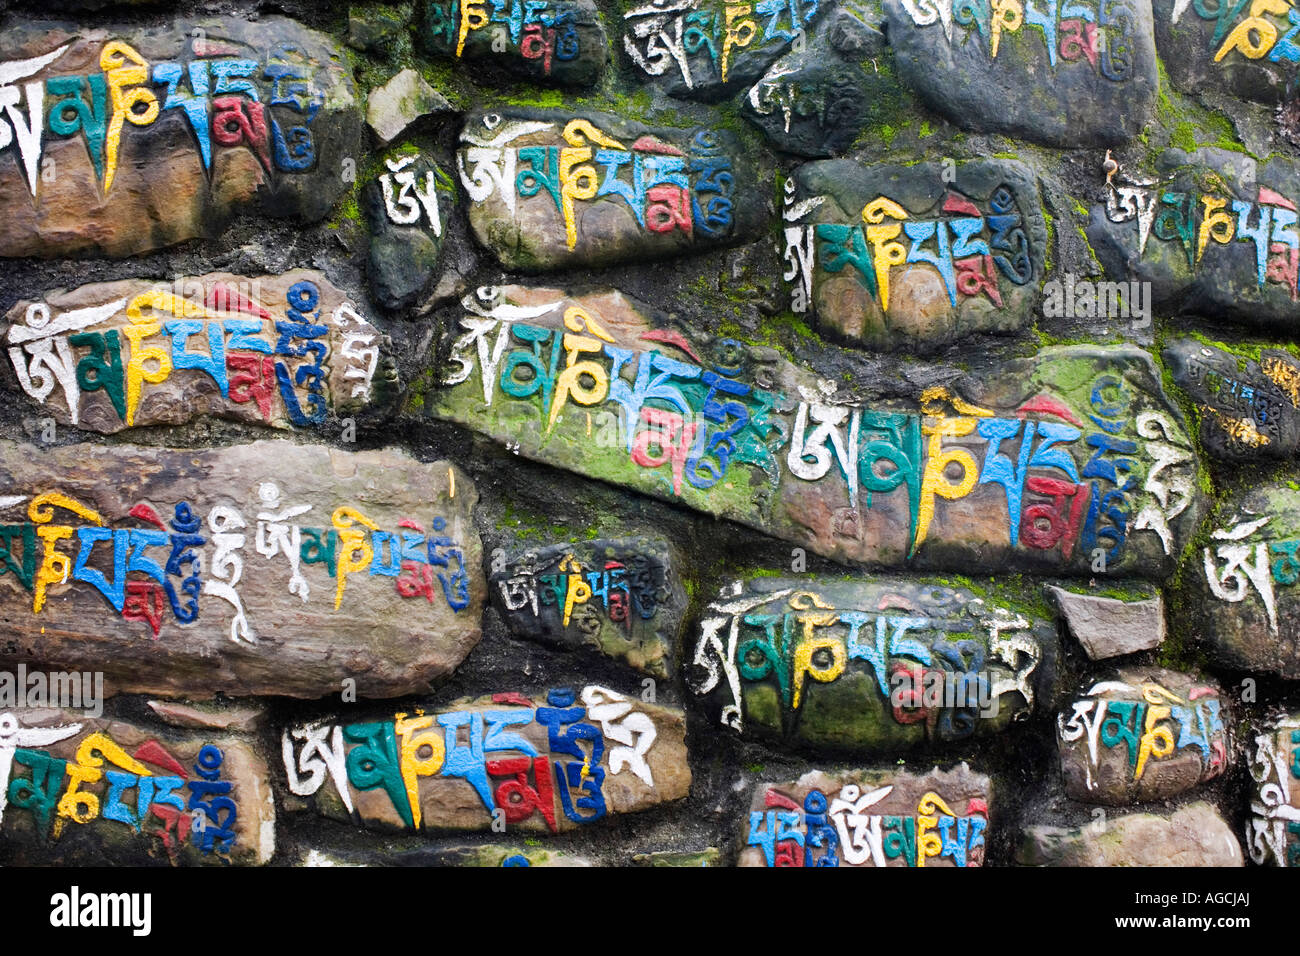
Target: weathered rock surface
<point x="266" y="568"/>
<point x="898" y="257"/>
<point x="547" y="765"/>
<point x="623" y="598"/>
<point x="134" y="139"/>
<point x="283" y="351"/>
<point x="553" y="41"/>
<point x="1074" y="75"/>
<point x="869" y="818"/>
<point x="1142" y="734"/>
<point x="391" y="108"/>
<point x="710" y="856"/>
<point x="1214" y="232"/>
<point x="205" y="715"/>
<point x="1194" y="835"/>
<point x="707" y="49"/>
<point x="815" y="101"/>
<point x="1112" y="627"/>
<point x="373" y="26"/>
<point x="870" y="665"/>
<point x="1248" y="408"/>
<point x="86" y="791"/>
<point x="1107" y="472"/>
<point x="406" y="209"/>
<point x="1273" y="826"/>
<point x="551" y="189"/>
<point x="482" y="855"/>
<point x="1242" y="599"/>
<point x="1243" y="50"/>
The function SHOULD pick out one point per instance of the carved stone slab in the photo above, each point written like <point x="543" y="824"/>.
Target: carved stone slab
<point x="283" y="351"/>
<point x="267" y="568"/>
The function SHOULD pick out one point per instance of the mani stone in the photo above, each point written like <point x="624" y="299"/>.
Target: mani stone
<point x="1211" y="231"/>
<point x="401" y="101"/>
<point x="265" y="568"/>
<point x="1248" y="408"/>
<point x="622" y="597"/>
<point x="1111" y="626"/>
<point x="549" y="763"/>
<point x="1143" y="734"/>
<point x="815" y="101"/>
<point x="555" y="42"/>
<point x="1194" y="835"/>
<point x="406" y="208"/>
<point x="551" y="189"/>
<point x="281" y="351"/>
<point x="1241" y="50"/>
<point x="1240" y="597"/>
<point x="1079" y="74"/>
<point x="1273" y="826"/>
<point x="900" y="257"/>
<point x="869" y="666"/>
<point x="869" y="818"/>
<point x="105" y="792"/>
<point x="709" y="49"/>
<point x="129" y="140"/>
<point x="650" y="404"/>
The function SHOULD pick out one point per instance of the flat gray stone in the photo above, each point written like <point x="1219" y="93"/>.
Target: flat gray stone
<point x="1110" y="627"/>
<point x="391" y="108"/>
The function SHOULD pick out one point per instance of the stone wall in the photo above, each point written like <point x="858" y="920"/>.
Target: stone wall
<point x="589" y="432"/>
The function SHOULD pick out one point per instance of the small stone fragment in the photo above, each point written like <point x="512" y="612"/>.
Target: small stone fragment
<point x="393" y="107"/>
<point x="1112" y="627"/>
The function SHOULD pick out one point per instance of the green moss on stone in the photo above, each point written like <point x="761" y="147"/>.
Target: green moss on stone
<point x="1184" y="137"/>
